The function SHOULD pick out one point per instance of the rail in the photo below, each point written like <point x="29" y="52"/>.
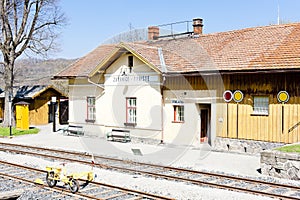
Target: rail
<point x="92" y="190"/>
<point x="234" y="183"/>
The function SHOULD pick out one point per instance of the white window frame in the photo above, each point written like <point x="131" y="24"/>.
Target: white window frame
<point x="131" y="110"/>
<point x="260" y="105"/>
<point x="178" y="113"/>
<point x="91" y="109"/>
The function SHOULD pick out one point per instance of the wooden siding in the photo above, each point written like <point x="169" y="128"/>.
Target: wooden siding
<point x="39" y="109"/>
<point x="198" y="82"/>
<point x="238" y="118"/>
<point x="38" y="113"/>
<point x="242" y="124"/>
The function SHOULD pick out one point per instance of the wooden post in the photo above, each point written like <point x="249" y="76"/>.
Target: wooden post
<point x="282" y="117"/>
<point x="227" y="121"/>
<point x="53" y="100"/>
<point x="237" y="120"/>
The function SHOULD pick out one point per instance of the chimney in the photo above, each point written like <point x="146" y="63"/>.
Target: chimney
<point x="198" y="25"/>
<point x="153" y="33"/>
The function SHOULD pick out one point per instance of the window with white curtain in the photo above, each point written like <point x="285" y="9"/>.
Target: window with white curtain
<point x="261" y="105"/>
<point x="131" y="110"/>
<point x="91" y="108"/>
<point x="178" y="113"/>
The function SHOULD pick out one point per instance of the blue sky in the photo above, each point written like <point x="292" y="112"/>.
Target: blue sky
<point x="91" y="22"/>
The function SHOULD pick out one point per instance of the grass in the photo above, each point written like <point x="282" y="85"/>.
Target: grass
<point x="15" y="132"/>
<point x="290" y="148"/>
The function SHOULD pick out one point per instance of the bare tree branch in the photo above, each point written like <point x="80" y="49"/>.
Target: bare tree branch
<point x="23" y="23"/>
<point x="26" y="25"/>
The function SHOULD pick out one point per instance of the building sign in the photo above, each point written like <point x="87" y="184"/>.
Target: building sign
<point x="177" y="102"/>
<point x="119" y="79"/>
<point x="283" y="96"/>
<point x="132" y="79"/>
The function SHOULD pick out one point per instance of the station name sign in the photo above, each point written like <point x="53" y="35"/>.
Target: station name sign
<point x="131" y="79"/>
<point x="119" y="79"/>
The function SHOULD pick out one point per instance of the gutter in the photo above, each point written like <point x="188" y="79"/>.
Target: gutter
<point x="98" y="85"/>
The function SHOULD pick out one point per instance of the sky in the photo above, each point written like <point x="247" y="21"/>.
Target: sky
<point x="92" y="22"/>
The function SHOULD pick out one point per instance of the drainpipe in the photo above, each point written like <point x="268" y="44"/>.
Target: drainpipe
<point x="162" y="109"/>
<point x="164" y="70"/>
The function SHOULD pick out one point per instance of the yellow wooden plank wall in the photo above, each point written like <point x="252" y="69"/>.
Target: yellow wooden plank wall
<point x="39" y="109"/>
<point x="265" y="128"/>
<point x="239" y="121"/>
<point x="39" y="115"/>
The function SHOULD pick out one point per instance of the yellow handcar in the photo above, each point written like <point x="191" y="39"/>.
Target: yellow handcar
<point x="59" y="174"/>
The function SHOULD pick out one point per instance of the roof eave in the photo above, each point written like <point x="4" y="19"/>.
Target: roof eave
<point x="116" y="53"/>
<point x="142" y="58"/>
<point x="104" y="61"/>
<point x="67" y="77"/>
<point x="232" y="71"/>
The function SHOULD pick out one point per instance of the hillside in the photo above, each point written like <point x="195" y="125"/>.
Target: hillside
<point x="39" y="72"/>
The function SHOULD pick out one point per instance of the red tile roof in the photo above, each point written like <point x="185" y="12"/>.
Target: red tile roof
<point x="83" y="66"/>
<point x="270" y="47"/>
<point x="259" y="48"/>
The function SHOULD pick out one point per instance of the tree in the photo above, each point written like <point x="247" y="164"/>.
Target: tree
<point x="26" y="26"/>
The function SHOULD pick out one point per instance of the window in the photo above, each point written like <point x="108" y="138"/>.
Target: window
<point x="130" y="63"/>
<point x="260" y="105"/>
<point x="91" y="109"/>
<point x="130" y="111"/>
<point x="178" y="113"/>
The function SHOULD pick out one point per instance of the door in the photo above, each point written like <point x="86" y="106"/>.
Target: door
<point x="22" y="117"/>
<point x="64" y="112"/>
<point x="203" y="125"/>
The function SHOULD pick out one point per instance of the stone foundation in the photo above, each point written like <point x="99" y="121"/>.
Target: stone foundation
<point x="280" y="164"/>
<point x="149" y="141"/>
<point x="243" y="146"/>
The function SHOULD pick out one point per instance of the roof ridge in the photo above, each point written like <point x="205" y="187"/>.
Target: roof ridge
<point x="242" y="49"/>
<point x="253" y="28"/>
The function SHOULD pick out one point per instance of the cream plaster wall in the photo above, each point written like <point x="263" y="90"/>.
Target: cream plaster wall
<point x="193" y="101"/>
<point x="154" y="119"/>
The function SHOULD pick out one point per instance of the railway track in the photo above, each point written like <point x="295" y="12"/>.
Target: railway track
<point x="90" y="190"/>
<point x="240" y="184"/>
<point x="17" y="188"/>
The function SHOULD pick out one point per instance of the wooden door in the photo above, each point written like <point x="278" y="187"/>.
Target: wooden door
<point x="22" y="117"/>
<point x="203" y="125"/>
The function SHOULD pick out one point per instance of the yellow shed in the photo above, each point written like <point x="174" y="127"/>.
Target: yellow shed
<point x="39" y="105"/>
<point x="39" y="97"/>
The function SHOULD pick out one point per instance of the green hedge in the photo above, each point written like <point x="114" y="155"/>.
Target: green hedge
<point x="16" y="132"/>
<point x="290" y="148"/>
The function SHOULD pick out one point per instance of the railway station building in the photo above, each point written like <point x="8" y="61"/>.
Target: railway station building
<point x="235" y="90"/>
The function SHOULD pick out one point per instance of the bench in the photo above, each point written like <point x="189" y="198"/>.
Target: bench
<point x="118" y="135"/>
<point x="75" y="130"/>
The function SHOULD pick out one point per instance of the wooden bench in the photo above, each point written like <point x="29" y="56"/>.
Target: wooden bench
<point x="73" y="129"/>
<point x="118" y="135"/>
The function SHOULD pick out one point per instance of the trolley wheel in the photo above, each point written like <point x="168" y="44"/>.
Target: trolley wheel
<point x="74" y="185"/>
<point x="50" y="179"/>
